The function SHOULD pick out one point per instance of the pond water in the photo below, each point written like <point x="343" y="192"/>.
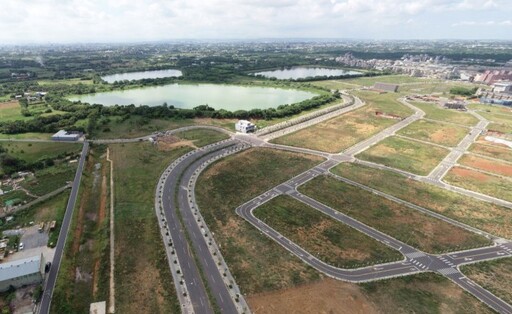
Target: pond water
<point x="303" y="72"/>
<point x="229" y="97"/>
<point x="130" y="76"/>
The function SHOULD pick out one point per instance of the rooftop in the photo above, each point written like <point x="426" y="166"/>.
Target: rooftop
<point x="20" y="267"/>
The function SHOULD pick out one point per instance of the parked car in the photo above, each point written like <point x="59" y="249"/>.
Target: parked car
<point x="47" y="267"/>
<point x="21" y="246"/>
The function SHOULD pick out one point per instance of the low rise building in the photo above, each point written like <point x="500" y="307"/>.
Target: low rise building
<point x="503" y="87"/>
<point x="21" y="272"/>
<point x="66" y="136"/>
<point x="245" y="126"/>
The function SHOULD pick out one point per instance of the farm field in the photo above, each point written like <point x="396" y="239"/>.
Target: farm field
<point x="339" y="133"/>
<point x="480" y="182"/>
<point x="485" y="216"/>
<point x="495" y="276"/>
<point x="434" y="112"/>
<point x="404" y="154"/>
<point x="258" y="263"/>
<point x="435" y="132"/>
<point x="494" y="151"/>
<point x="331" y="241"/>
<point x="493" y="166"/>
<point x="417" y="229"/>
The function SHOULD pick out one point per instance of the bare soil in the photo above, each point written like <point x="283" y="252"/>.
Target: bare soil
<point x="488" y="165"/>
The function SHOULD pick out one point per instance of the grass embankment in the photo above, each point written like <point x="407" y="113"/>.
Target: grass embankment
<point x="435" y="132"/>
<point x="434" y="112"/>
<point x="329" y="240"/>
<point x="341" y="132"/>
<point x="488" y="217"/>
<point x="503" y="153"/>
<point x="83" y="275"/>
<point x="408" y="155"/>
<point x="495" y="276"/>
<point x="257" y="262"/>
<point x="202" y="137"/>
<point x="480" y="182"/>
<point x="419" y="230"/>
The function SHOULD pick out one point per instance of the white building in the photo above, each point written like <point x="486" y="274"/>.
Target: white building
<point x="21" y="272"/>
<point x="245" y="126"/>
<point x="503" y="87"/>
<point x="63" y="135"/>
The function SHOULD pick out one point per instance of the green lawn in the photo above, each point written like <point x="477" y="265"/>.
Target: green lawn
<point x="486" y="216"/>
<point x="408" y="155"/>
<point x="434" y="112"/>
<point x="333" y="242"/>
<point x="258" y="263"/>
<point x="202" y="137"/>
<point x="417" y="229"/>
<point x="435" y="132"/>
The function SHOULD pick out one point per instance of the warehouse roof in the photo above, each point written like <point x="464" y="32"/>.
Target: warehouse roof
<point x="20" y="268"/>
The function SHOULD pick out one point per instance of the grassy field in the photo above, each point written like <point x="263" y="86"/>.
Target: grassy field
<point x="408" y="155"/>
<point x="329" y="240"/>
<point x="501" y="127"/>
<point x="335" y="84"/>
<point x="11" y="111"/>
<point x="480" y="182"/>
<point x="488" y="217"/>
<point x="495" y="276"/>
<point x="84" y="272"/>
<point x="341" y="132"/>
<point x="498" y="152"/>
<point x="491" y="108"/>
<point x="65" y="82"/>
<point x="31" y="152"/>
<point x="257" y="262"/>
<point x="499" y="168"/>
<point x="37" y="136"/>
<point x="50" y="178"/>
<point x="136" y="127"/>
<point x="435" y="132"/>
<point x="394" y="79"/>
<point x="422" y="293"/>
<point x="434" y="112"/>
<point x="143" y="279"/>
<point x="202" y="137"/>
<point x="417" y="229"/>
<point x="17" y="196"/>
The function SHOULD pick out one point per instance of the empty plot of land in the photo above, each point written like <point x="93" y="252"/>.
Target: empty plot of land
<point x="329" y="240"/>
<point x="405" y="224"/>
<point x="202" y="137"/>
<point x="408" y="155"/>
<point x="31" y="152"/>
<point x="495" y="276"/>
<point x="485" y="164"/>
<point x="435" y="132"/>
<point x="480" y="182"/>
<point x="435" y="112"/>
<point x="258" y="263"/>
<point x="498" y="152"/>
<point x="393" y="79"/>
<point x="10" y="111"/>
<point x="341" y="132"/>
<point x="486" y="216"/>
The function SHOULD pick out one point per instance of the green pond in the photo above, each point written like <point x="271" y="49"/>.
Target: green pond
<point x="188" y="96"/>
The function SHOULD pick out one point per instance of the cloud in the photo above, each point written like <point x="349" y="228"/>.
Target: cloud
<point x="483" y="23"/>
<point x="143" y="20"/>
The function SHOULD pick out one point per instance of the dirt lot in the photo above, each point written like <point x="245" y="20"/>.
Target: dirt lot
<point x="482" y="148"/>
<point x="487" y="165"/>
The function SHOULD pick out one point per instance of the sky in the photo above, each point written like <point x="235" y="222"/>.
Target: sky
<point x="76" y="21"/>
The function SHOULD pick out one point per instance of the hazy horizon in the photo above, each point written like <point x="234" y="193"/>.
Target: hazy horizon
<point x="124" y="21"/>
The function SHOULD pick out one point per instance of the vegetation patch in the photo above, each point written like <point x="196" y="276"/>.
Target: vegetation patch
<point x="498" y="152"/>
<point x="421" y="293"/>
<point x="495" y="276"/>
<point x="499" y="168"/>
<point x="408" y="155"/>
<point x="341" y="132"/>
<point x="485" y="216"/>
<point x="435" y="132"/>
<point x="202" y="137"/>
<point x="329" y="240"/>
<point x="417" y="229"/>
<point x="143" y="279"/>
<point x="435" y="112"/>
<point x="257" y="262"/>
<point x="480" y="182"/>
